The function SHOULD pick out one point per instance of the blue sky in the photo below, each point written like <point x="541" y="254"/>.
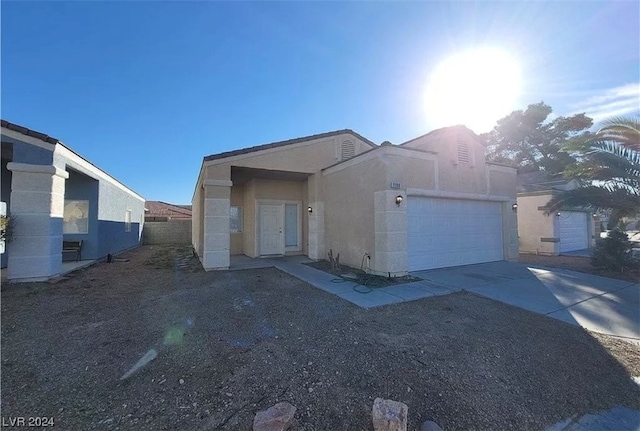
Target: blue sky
<point x="146" y="89"/>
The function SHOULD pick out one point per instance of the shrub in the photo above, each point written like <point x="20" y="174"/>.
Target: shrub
<point x="5" y="228"/>
<point x="614" y="252"/>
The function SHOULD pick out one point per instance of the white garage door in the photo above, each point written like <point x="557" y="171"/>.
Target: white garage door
<point x="451" y="232"/>
<point x="574" y="232"/>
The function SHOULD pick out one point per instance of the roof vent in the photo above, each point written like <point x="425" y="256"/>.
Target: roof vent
<point x="463" y="153"/>
<point x="348" y="150"/>
<point x="386" y="143"/>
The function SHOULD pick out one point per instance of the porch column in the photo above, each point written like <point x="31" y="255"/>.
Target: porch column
<point x="390" y="221"/>
<point x="36" y="211"/>
<point x="316" y="231"/>
<point x="217" y="202"/>
<point x="510" y="232"/>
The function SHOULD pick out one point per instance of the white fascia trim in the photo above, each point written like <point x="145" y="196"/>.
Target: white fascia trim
<point x="379" y="151"/>
<point x="500" y="168"/>
<point x="93" y="170"/>
<point x="266" y="151"/>
<point x="27" y="139"/>
<point x="456" y="195"/>
<point x="217" y="183"/>
<point x="37" y="169"/>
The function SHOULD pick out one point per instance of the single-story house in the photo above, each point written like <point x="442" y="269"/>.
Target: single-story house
<point x="428" y="203"/>
<point x="51" y="195"/>
<point x="567" y="230"/>
<point x="162" y="211"/>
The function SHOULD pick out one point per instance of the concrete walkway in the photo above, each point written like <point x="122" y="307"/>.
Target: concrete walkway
<point x="600" y="304"/>
<point x="350" y="291"/>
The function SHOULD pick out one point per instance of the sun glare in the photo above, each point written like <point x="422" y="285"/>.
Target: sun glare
<point x="475" y="88"/>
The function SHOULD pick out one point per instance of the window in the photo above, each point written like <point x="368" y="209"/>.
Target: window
<point x="127" y="221"/>
<point x="291" y="225"/>
<point x="348" y="150"/>
<point x="235" y="219"/>
<point x="75" y="217"/>
<point x="463" y="153"/>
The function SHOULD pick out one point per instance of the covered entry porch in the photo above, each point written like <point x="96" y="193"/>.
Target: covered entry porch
<point x="258" y="213"/>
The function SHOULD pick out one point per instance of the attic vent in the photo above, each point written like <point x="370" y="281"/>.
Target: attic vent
<point x="348" y="150"/>
<point x="463" y="153"/>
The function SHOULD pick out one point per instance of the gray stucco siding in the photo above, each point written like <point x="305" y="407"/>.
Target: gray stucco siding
<point x="113" y="205"/>
<point x="24" y="152"/>
<point x="81" y="187"/>
<point x="107" y="232"/>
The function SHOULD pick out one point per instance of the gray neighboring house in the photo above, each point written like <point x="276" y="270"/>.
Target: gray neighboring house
<point x="52" y="195"/>
<point x="568" y="230"/>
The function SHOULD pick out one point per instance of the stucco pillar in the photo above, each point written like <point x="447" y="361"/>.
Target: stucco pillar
<point x="510" y="231"/>
<point x="217" y="239"/>
<point x="316" y="231"/>
<point x="390" y="222"/>
<point x="37" y="207"/>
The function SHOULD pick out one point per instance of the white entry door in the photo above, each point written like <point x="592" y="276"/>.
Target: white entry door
<point x="271" y="229"/>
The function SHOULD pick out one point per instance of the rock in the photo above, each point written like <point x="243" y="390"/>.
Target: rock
<point x="389" y="415"/>
<point x="430" y="426"/>
<point x="276" y="418"/>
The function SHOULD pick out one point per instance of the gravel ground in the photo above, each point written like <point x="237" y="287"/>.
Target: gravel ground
<point x="577" y="263"/>
<point x="232" y="343"/>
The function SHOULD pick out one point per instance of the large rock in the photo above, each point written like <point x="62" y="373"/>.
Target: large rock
<point x="389" y="415"/>
<point x="276" y="418"/>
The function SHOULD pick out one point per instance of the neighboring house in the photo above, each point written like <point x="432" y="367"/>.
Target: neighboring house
<point x="162" y="211"/>
<point x="53" y="194"/>
<point x="567" y="230"/>
<point x="431" y="202"/>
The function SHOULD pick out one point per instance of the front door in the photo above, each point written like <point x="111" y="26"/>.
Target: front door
<point x="271" y="229"/>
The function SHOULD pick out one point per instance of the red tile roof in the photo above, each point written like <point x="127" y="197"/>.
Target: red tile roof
<point x="164" y="210"/>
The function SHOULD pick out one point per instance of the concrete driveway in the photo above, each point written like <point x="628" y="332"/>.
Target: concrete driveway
<point x="596" y="303"/>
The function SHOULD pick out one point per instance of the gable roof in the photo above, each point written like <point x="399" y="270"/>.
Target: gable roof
<point x="56" y="142"/>
<point x="163" y="209"/>
<point x="287" y="142"/>
<point x="28" y="132"/>
<point x="459" y="127"/>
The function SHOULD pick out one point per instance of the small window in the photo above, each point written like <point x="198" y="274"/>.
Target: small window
<point x="348" y="150"/>
<point x="235" y="219"/>
<point x="127" y="221"/>
<point x="463" y="153"/>
<point x="75" y="217"/>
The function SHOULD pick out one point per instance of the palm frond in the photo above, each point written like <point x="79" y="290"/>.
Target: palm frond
<point x="623" y="130"/>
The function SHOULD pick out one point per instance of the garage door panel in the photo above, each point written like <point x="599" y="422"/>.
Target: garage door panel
<point x="574" y="230"/>
<point x="448" y="232"/>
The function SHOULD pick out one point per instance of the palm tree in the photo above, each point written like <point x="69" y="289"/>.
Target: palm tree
<point x="625" y="131"/>
<point x="609" y="169"/>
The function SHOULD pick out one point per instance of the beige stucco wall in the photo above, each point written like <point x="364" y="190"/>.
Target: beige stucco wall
<point x="455" y="177"/>
<point x="533" y="225"/>
<point x="249" y="235"/>
<point x="349" y="209"/>
<point x="307" y="157"/>
<point x="197" y="219"/>
<point x="501" y="181"/>
<point x="237" y="200"/>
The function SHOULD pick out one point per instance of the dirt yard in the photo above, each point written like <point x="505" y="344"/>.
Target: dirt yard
<point x="577" y="263"/>
<point x="231" y="343"/>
